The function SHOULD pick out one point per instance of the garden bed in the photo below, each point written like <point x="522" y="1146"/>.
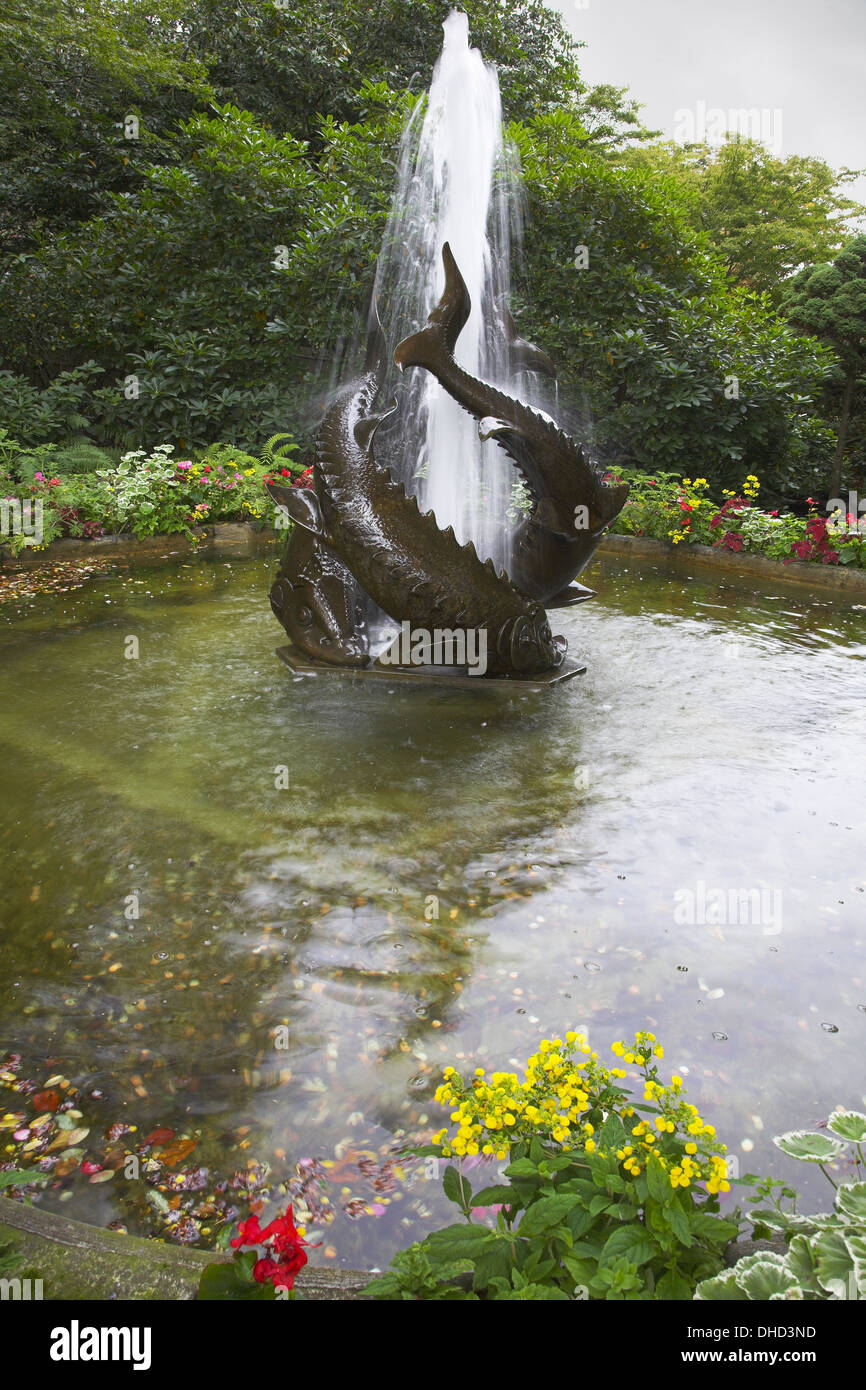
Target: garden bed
<point x="736" y="565"/>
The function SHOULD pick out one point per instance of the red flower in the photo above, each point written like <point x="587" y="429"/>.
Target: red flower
<point x="286" y="1244"/>
<point x="249" y="1233"/>
<point x="305" y="479"/>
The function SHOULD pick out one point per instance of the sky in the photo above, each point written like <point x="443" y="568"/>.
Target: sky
<point x="805" y="59"/>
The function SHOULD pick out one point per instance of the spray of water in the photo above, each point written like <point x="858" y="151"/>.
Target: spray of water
<point x="458" y="182"/>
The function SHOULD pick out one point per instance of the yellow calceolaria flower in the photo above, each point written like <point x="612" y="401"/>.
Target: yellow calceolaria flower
<point x="566" y="1095"/>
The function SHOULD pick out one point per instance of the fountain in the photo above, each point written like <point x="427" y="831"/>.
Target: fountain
<point x="440" y="409"/>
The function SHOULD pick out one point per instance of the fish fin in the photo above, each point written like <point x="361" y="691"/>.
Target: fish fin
<point x="302" y="506"/>
<point x="366" y="428"/>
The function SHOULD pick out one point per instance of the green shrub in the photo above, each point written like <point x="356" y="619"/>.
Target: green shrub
<point x="598" y="1203"/>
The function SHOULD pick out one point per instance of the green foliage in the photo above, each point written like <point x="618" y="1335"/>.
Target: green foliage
<point x="35" y="416"/>
<point x="764" y="214"/>
<point x="288" y="65"/>
<point x="825" y="1256"/>
<point x="69" y="74"/>
<point x="656" y="348"/>
<point x="145" y="493"/>
<point x="829" y="301"/>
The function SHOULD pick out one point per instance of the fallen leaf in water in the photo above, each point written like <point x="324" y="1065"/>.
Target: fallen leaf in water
<point x="68" y="1138"/>
<point x="159" y="1136"/>
<point x="47" y="1100"/>
<point x="173" y="1153"/>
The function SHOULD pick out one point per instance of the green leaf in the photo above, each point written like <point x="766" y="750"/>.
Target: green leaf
<point x="836" y="1261"/>
<point x="14" y="1178"/>
<point x="546" y="1212"/>
<point x="612" y="1134"/>
<point x="494" y="1262"/>
<point x="494" y="1197"/>
<point x="522" y="1168"/>
<point x="849" y="1125"/>
<point x="673" y="1285"/>
<point x="581" y="1270"/>
<point x="722" y="1288"/>
<point x="599" y="1203"/>
<point x="709" y="1227"/>
<point x="460" y="1242"/>
<point x="457" y="1189"/>
<point x="579" y="1221"/>
<point x="223" y="1281"/>
<point x="851" y="1199"/>
<point x="659" y="1183"/>
<point x="631" y="1243"/>
<point x="808" y="1146"/>
<point x="679" y="1223"/>
<point x="761" y="1275"/>
<point x="803" y="1261"/>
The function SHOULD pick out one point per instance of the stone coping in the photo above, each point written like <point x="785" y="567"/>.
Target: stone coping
<point x="736" y="567"/>
<point x="239" y="539"/>
<point x="80" y="1262"/>
<point x="227" y="538"/>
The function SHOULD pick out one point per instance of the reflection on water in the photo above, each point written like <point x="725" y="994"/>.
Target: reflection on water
<point x="448" y="876"/>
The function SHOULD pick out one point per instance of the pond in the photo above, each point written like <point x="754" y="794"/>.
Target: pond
<point x="276" y="965"/>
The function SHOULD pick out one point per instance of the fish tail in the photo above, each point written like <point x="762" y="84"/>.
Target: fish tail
<point x="434" y="345"/>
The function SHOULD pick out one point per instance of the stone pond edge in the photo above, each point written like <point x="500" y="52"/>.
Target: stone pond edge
<point x="238" y="539"/>
<point x="87" y="1263"/>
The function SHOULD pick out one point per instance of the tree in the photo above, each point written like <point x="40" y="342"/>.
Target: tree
<point x="70" y="70"/>
<point x="670" y="366"/>
<point x="829" y="301"/>
<point x="765" y="215"/>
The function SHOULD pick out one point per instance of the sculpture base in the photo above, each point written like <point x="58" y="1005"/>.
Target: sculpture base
<point x="439" y="675"/>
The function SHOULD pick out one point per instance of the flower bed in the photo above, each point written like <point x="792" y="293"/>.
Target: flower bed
<point x="667" y="508"/>
<point x="150" y="494"/>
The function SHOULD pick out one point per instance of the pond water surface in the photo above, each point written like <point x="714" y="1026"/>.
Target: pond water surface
<point x="281" y="995"/>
